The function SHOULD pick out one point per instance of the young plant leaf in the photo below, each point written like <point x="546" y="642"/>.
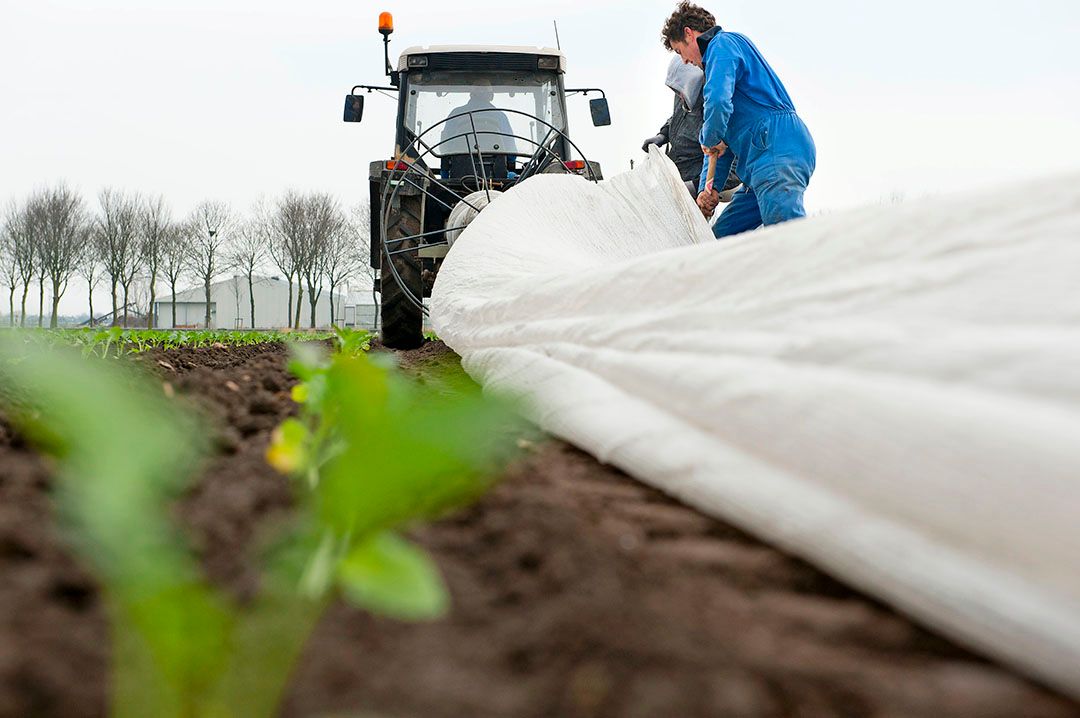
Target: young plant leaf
<point x="406" y="452"/>
<point x="299" y="393"/>
<point x="388" y="575"/>
<point x="288" y="447"/>
<point x="125" y="453"/>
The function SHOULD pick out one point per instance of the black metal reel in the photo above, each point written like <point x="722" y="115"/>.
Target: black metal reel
<point x="416" y="175"/>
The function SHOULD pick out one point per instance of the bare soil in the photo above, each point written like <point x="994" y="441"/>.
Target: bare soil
<point x="576" y="592"/>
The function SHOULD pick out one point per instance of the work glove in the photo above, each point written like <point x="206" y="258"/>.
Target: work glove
<point x="658" y="140"/>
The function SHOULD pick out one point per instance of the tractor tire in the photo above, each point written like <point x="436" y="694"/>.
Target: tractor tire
<point x="402" y="321"/>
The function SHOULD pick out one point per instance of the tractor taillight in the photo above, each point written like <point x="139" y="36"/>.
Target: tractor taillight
<point x="396" y="165"/>
<point x="575" y="165"/>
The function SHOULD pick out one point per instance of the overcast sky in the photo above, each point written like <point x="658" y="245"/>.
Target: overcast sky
<point x="232" y="99"/>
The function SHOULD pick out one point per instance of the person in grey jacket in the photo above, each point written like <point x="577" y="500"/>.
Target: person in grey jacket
<point x="681" y="131"/>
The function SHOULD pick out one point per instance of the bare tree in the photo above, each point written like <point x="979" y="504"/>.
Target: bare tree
<point x="264" y="223"/>
<point x="9" y="259"/>
<point x="130" y="270"/>
<point x="33" y="213"/>
<point x="343" y="259"/>
<point x="272" y="225"/>
<point x="89" y="265"/>
<point x="9" y="275"/>
<point x="287" y="225"/>
<point x="238" y="292"/>
<point x="41" y="273"/>
<point x="246" y="254"/>
<point x="360" y="221"/>
<point x="140" y="295"/>
<point x="210" y="229"/>
<point x="20" y="225"/>
<point x="35" y="216"/>
<point x="117" y="234"/>
<point x="174" y="258"/>
<point x="325" y="221"/>
<point x="155" y="223"/>
<point x="63" y="233"/>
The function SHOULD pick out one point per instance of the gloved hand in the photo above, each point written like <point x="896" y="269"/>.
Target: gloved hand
<point x="658" y="140"/>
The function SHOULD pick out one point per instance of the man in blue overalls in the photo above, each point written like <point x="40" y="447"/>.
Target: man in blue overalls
<point x="748" y="116"/>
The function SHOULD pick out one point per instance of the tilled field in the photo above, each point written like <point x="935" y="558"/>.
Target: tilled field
<point x="577" y="592"/>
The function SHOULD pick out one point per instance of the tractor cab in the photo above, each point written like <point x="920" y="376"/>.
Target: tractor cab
<point x="498" y="104"/>
<point x="472" y="121"/>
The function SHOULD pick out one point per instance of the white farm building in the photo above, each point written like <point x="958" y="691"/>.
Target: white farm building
<point x="230" y="307"/>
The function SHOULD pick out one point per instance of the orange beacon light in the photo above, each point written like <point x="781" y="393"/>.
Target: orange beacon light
<point x="386" y="23"/>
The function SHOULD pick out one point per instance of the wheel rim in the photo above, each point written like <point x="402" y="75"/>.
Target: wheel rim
<point x="420" y="177"/>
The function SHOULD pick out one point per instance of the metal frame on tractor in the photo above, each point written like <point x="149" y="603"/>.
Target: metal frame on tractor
<point x="411" y="198"/>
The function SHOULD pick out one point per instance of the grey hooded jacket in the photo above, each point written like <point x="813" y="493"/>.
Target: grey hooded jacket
<point x="684" y="125"/>
<point x="683" y="128"/>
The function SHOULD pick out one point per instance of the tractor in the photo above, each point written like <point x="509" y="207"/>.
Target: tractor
<point x="472" y="122"/>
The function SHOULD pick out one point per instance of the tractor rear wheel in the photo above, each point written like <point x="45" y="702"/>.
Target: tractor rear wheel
<point x="402" y="321"/>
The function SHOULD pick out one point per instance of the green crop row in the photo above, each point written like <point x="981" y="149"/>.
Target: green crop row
<point x="370" y="452"/>
<point x="114" y="341"/>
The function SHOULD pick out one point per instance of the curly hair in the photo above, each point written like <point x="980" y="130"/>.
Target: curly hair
<point x="686" y="15"/>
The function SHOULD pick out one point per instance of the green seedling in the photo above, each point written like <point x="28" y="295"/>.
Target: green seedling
<point x="124" y="453"/>
<point x="352" y="341"/>
<point x="373" y="456"/>
<point x="117" y="341"/>
<point x="376" y="451"/>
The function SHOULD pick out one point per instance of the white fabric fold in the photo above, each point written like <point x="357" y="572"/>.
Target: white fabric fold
<point x="892" y="393"/>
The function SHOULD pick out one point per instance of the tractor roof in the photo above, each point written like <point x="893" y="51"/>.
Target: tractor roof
<point x="475" y="50"/>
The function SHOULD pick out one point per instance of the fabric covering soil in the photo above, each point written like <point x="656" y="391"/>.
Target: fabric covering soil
<point x="576" y="592"/>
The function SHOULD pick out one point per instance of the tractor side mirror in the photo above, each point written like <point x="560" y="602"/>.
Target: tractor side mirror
<point x="354" y="108"/>
<point x="601" y="114"/>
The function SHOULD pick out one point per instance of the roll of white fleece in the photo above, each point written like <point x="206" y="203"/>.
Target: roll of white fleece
<point x="892" y="393"/>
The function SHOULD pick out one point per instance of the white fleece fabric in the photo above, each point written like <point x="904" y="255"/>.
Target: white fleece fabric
<point x="892" y="393"/>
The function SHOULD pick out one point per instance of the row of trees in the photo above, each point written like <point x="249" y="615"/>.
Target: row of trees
<point x="53" y="236"/>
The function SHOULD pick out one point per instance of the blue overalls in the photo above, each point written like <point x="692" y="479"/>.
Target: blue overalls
<point x="747" y="107"/>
